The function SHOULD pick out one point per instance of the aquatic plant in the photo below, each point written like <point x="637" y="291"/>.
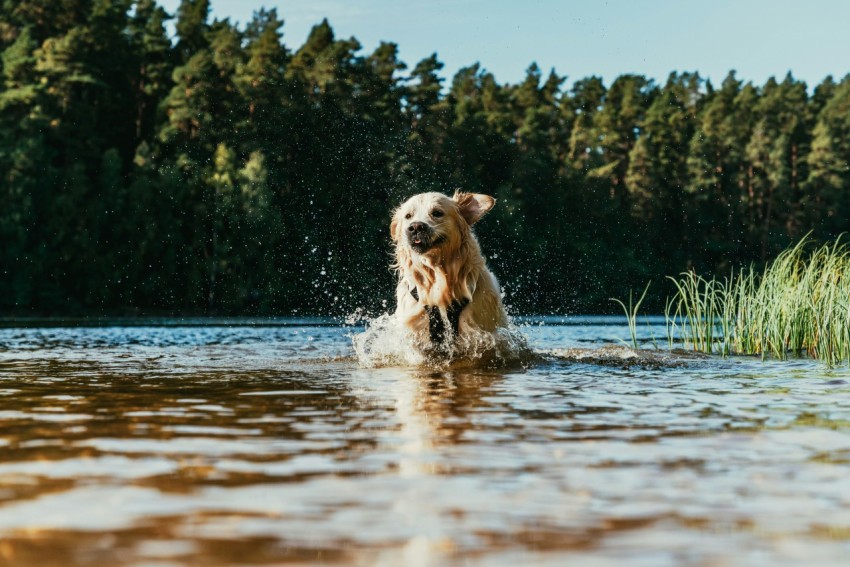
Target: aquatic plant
<point x="631" y="313"/>
<point x="799" y="304"/>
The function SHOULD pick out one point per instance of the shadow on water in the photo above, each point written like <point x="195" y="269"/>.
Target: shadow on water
<point x="221" y="446"/>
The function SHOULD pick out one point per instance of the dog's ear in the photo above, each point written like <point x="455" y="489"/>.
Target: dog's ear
<point x="394" y="226"/>
<point x="473" y="206"/>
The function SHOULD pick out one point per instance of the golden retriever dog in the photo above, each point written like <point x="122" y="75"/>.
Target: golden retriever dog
<point x="445" y="290"/>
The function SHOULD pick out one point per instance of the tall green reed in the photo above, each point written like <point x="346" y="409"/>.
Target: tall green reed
<point x="799" y="304"/>
<point x="631" y="313"/>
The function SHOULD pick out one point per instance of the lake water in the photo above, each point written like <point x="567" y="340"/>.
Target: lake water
<point x="246" y="444"/>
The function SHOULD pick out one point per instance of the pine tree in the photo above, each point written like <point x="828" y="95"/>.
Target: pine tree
<point x="616" y="128"/>
<point x="323" y="63"/>
<point x="717" y="167"/>
<point x="774" y="152"/>
<point x="423" y="95"/>
<point x="154" y="63"/>
<point x="192" y="27"/>
<point x="428" y="118"/>
<point x="45" y="18"/>
<point x="657" y="174"/>
<point x="25" y="159"/>
<point x="586" y="98"/>
<point x="829" y="164"/>
<point x="202" y="107"/>
<point x="266" y="113"/>
<point x="261" y="79"/>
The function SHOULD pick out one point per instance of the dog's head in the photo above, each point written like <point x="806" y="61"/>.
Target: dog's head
<point x="431" y="222"/>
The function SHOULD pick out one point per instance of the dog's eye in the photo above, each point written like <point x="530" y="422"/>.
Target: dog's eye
<point x="407" y="216"/>
<point x="437" y="213"/>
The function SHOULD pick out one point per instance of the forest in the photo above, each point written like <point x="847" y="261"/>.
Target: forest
<point x="176" y="164"/>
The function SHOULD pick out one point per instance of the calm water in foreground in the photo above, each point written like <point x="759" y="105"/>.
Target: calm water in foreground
<point x="268" y="445"/>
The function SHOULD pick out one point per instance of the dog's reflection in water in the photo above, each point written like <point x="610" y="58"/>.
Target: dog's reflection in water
<point x="431" y="409"/>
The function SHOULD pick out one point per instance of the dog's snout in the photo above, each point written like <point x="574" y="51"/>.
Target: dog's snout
<point x="419" y="235"/>
<point x="417" y="227"/>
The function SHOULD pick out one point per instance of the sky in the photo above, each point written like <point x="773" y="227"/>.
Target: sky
<point x="757" y="38"/>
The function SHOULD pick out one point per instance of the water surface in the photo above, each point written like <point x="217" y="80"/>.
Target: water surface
<point x="192" y="444"/>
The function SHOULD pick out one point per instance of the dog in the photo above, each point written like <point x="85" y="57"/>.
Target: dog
<point x="445" y="291"/>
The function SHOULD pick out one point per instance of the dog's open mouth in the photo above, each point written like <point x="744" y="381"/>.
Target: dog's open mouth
<point x="422" y="242"/>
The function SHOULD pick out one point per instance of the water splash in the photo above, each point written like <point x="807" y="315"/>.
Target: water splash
<point x="386" y="342"/>
<point x="624" y="356"/>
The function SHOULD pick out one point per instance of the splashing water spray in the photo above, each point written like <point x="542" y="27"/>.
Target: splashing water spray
<point x="386" y="342"/>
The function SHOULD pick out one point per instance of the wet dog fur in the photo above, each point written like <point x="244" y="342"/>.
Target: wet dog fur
<point x="444" y="287"/>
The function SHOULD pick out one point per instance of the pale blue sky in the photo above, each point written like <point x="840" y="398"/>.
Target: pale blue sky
<point x="758" y="38"/>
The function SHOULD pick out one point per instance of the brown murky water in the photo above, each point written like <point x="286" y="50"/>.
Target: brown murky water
<point x="234" y="445"/>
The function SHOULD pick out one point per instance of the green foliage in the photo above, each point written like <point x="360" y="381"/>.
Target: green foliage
<point x="224" y="172"/>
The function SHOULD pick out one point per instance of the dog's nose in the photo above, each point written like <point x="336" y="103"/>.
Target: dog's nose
<point x="416" y="227"/>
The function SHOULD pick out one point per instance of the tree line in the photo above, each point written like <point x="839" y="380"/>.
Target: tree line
<point x="221" y="172"/>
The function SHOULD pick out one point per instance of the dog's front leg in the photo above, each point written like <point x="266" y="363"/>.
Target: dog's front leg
<point x="441" y="334"/>
<point x="453" y="313"/>
<point x="436" y="325"/>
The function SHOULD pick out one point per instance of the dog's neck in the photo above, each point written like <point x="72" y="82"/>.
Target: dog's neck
<point x="443" y="276"/>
